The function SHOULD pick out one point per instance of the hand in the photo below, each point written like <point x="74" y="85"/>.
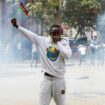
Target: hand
<point x="14" y="22"/>
<point x="55" y="40"/>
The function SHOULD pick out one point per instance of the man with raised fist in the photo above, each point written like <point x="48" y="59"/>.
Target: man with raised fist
<point x="53" y="52"/>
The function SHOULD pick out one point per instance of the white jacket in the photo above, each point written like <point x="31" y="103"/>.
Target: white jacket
<point x="52" y="56"/>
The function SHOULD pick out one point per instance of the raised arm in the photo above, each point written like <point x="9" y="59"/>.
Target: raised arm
<point x="34" y="38"/>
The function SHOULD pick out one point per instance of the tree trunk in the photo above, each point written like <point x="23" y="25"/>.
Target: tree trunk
<point x="57" y="18"/>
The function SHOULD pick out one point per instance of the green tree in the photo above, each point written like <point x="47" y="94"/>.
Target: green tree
<point x="102" y="6"/>
<point x="81" y="14"/>
<point x="45" y="12"/>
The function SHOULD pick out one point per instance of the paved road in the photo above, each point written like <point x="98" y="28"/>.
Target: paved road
<point x="20" y="84"/>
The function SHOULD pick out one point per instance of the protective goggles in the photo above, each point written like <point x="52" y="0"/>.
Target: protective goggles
<point x="56" y="31"/>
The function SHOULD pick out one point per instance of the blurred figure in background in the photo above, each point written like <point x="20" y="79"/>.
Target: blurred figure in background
<point x="101" y="54"/>
<point x="8" y="52"/>
<point x="82" y="53"/>
<point x="93" y="48"/>
<point x="19" y="49"/>
<point x="35" y="55"/>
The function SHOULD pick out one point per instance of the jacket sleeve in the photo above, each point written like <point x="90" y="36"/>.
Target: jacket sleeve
<point x="34" y="38"/>
<point x="64" y="49"/>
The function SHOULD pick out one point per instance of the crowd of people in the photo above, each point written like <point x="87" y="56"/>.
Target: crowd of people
<point x="93" y="52"/>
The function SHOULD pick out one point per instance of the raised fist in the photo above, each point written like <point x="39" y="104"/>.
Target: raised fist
<point x="14" y="22"/>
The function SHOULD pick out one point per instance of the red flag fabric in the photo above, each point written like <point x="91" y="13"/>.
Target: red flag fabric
<point x="23" y="9"/>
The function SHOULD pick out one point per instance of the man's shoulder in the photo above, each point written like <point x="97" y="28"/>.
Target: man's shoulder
<point x="64" y="40"/>
<point x="44" y="38"/>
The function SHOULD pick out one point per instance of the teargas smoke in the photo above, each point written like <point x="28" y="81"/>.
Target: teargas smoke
<point x="13" y="47"/>
<point x="0" y="39"/>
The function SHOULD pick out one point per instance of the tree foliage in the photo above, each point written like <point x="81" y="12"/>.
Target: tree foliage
<point x="102" y="6"/>
<point x="43" y="10"/>
<point x="81" y="14"/>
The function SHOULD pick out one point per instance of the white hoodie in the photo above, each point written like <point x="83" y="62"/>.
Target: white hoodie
<point x="52" y="55"/>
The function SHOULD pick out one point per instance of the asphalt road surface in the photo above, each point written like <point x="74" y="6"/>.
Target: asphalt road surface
<point x="20" y="84"/>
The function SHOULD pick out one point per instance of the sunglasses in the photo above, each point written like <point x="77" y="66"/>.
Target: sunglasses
<point x="56" y="31"/>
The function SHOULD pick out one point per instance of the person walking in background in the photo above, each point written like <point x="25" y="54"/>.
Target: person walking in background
<point x="93" y="48"/>
<point x="53" y="52"/>
<point x="34" y="56"/>
<point x="82" y="53"/>
<point x="101" y="54"/>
